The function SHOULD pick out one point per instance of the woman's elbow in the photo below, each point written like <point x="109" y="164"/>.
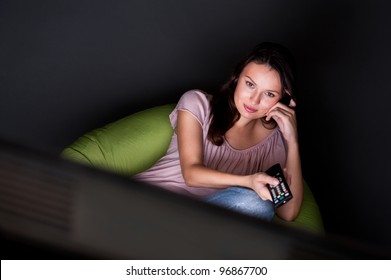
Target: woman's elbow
<point x="191" y="175"/>
<point x="288" y="217"/>
<point x="190" y="180"/>
<point x="290" y="214"/>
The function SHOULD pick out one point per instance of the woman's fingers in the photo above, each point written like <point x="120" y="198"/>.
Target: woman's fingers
<point x="292" y="103"/>
<point x="260" y="182"/>
<point x="285" y="118"/>
<point x="266" y="179"/>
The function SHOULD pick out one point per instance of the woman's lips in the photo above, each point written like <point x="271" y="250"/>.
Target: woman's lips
<point x="249" y="109"/>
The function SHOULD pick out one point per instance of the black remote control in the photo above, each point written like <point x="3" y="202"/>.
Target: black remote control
<point x="281" y="193"/>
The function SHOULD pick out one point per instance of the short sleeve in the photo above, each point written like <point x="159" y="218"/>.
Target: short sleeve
<point x="196" y="103"/>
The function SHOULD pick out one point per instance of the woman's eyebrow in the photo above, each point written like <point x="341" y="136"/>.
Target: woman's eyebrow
<point x="251" y="80"/>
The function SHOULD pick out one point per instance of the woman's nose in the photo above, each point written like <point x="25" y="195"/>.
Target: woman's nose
<point x="255" y="98"/>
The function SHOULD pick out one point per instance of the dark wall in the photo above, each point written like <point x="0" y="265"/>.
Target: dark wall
<point x="67" y="67"/>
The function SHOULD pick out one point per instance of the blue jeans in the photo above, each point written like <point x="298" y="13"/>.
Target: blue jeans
<point x="245" y="201"/>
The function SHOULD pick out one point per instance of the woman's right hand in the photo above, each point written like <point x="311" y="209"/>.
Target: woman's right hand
<point x="258" y="182"/>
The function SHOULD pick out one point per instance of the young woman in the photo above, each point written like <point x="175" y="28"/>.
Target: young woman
<point x="223" y="144"/>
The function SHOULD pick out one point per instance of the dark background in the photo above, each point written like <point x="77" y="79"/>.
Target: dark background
<point x="67" y="67"/>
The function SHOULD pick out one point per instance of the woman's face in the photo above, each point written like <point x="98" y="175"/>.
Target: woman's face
<point x="258" y="89"/>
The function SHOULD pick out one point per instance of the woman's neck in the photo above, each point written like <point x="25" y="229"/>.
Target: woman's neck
<point x="246" y="133"/>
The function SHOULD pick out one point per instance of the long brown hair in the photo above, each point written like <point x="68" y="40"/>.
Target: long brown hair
<point x="224" y="113"/>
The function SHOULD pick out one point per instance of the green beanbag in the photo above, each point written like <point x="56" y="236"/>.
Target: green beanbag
<point x="127" y="146"/>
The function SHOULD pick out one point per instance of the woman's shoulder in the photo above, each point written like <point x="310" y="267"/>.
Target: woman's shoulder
<point x="196" y="95"/>
<point x="194" y="99"/>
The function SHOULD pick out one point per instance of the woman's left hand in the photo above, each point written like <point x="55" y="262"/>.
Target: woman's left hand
<point x="285" y="118"/>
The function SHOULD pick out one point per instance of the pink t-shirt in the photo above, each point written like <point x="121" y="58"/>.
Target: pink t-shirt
<point x="167" y="174"/>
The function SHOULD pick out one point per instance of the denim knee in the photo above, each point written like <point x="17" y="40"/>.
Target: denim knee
<point x="245" y="201"/>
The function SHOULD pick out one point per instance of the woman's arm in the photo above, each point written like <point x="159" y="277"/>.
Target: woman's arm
<point x="190" y="146"/>
<point x="295" y="180"/>
<point x="286" y="120"/>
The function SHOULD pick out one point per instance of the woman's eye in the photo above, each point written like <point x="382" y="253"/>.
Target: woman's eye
<point x="249" y="84"/>
<point x="270" y="94"/>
